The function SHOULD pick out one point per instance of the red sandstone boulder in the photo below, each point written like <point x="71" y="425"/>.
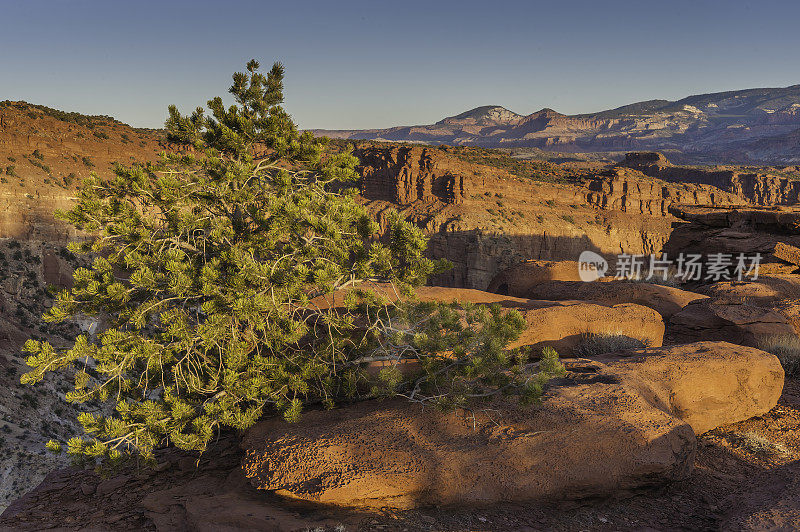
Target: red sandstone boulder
<point x="622" y="421"/>
<point x="665" y="300"/>
<point x="734" y="321"/>
<point x="593" y="435"/>
<point x="563" y="324"/>
<point x="706" y="384"/>
<point x="780" y="293"/>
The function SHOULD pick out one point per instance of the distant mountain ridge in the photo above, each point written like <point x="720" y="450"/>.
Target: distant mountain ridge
<point x="752" y="125"/>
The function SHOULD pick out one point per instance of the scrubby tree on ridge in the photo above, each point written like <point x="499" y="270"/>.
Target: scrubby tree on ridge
<point x="205" y="273"/>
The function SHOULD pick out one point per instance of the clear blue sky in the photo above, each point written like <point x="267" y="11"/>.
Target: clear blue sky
<point x="361" y="64"/>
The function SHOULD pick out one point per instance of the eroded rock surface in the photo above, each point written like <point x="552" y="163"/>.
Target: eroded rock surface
<point x="612" y="424"/>
<point x="666" y="300"/>
<point x="734" y="321"/>
<point x="593" y="435"/>
<point x="484" y="219"/>
<point x="706" y="384"/>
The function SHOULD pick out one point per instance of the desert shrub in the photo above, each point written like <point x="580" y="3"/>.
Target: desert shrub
<point x="756" y="444"/>
<point x="87" y="162"/>
<point x="787" y="348"/>
<point x="568" y="218"/>
<point x="100" y="134"/>
<point x="597" y="344"/>
<point x="11" y="170"/>
<point x="229" y="253"/>
<point x="37" y="161"/>
<point x="671" y="280"/>
<point x="37" y="155"/>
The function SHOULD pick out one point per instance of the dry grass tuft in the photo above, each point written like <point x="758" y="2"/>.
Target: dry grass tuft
<point x="598" y="344"/>
<point x="787" y="348"/>
<point x="757" y="444"/>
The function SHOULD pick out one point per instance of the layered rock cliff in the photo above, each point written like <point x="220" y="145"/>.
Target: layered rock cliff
<point x="760" y="188"/>
<point x="484" y="219"/>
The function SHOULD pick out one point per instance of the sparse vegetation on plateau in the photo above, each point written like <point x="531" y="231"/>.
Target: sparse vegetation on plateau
<point x="75" y="118"/>
<point x="526" y="169"/>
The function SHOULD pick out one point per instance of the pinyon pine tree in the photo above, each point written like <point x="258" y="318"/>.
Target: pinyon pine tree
<point x="212" y="279"/>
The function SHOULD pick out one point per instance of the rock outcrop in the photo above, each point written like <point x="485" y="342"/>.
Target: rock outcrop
<point x="772" y="233"/>
<point x="485" y="219"/>
<point x="558" y="324"/>
<point x="612" y="425"/>
<point x="734" y="321"/>
<point x="592" y="436"/>
<point x="760" y="188"/>
<point x="666" y="300"/>
<point x="404" y="175"/>
<point x="706" y="384"/>
<point x="778" y="293"/>
<point x="518" y="280"/>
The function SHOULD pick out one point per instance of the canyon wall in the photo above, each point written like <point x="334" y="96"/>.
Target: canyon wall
<point x="484" y="219"/>
<point x="759" y="188"/>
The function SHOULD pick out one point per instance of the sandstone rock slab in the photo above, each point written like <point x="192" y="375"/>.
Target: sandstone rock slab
<point x="666" y="300"/>
<point x="706" y="384"/>
<point x="738" y="322"/>
<point x="593" y="435"/>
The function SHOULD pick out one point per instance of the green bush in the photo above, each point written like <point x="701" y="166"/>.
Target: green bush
<point x="229" y="254"/>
